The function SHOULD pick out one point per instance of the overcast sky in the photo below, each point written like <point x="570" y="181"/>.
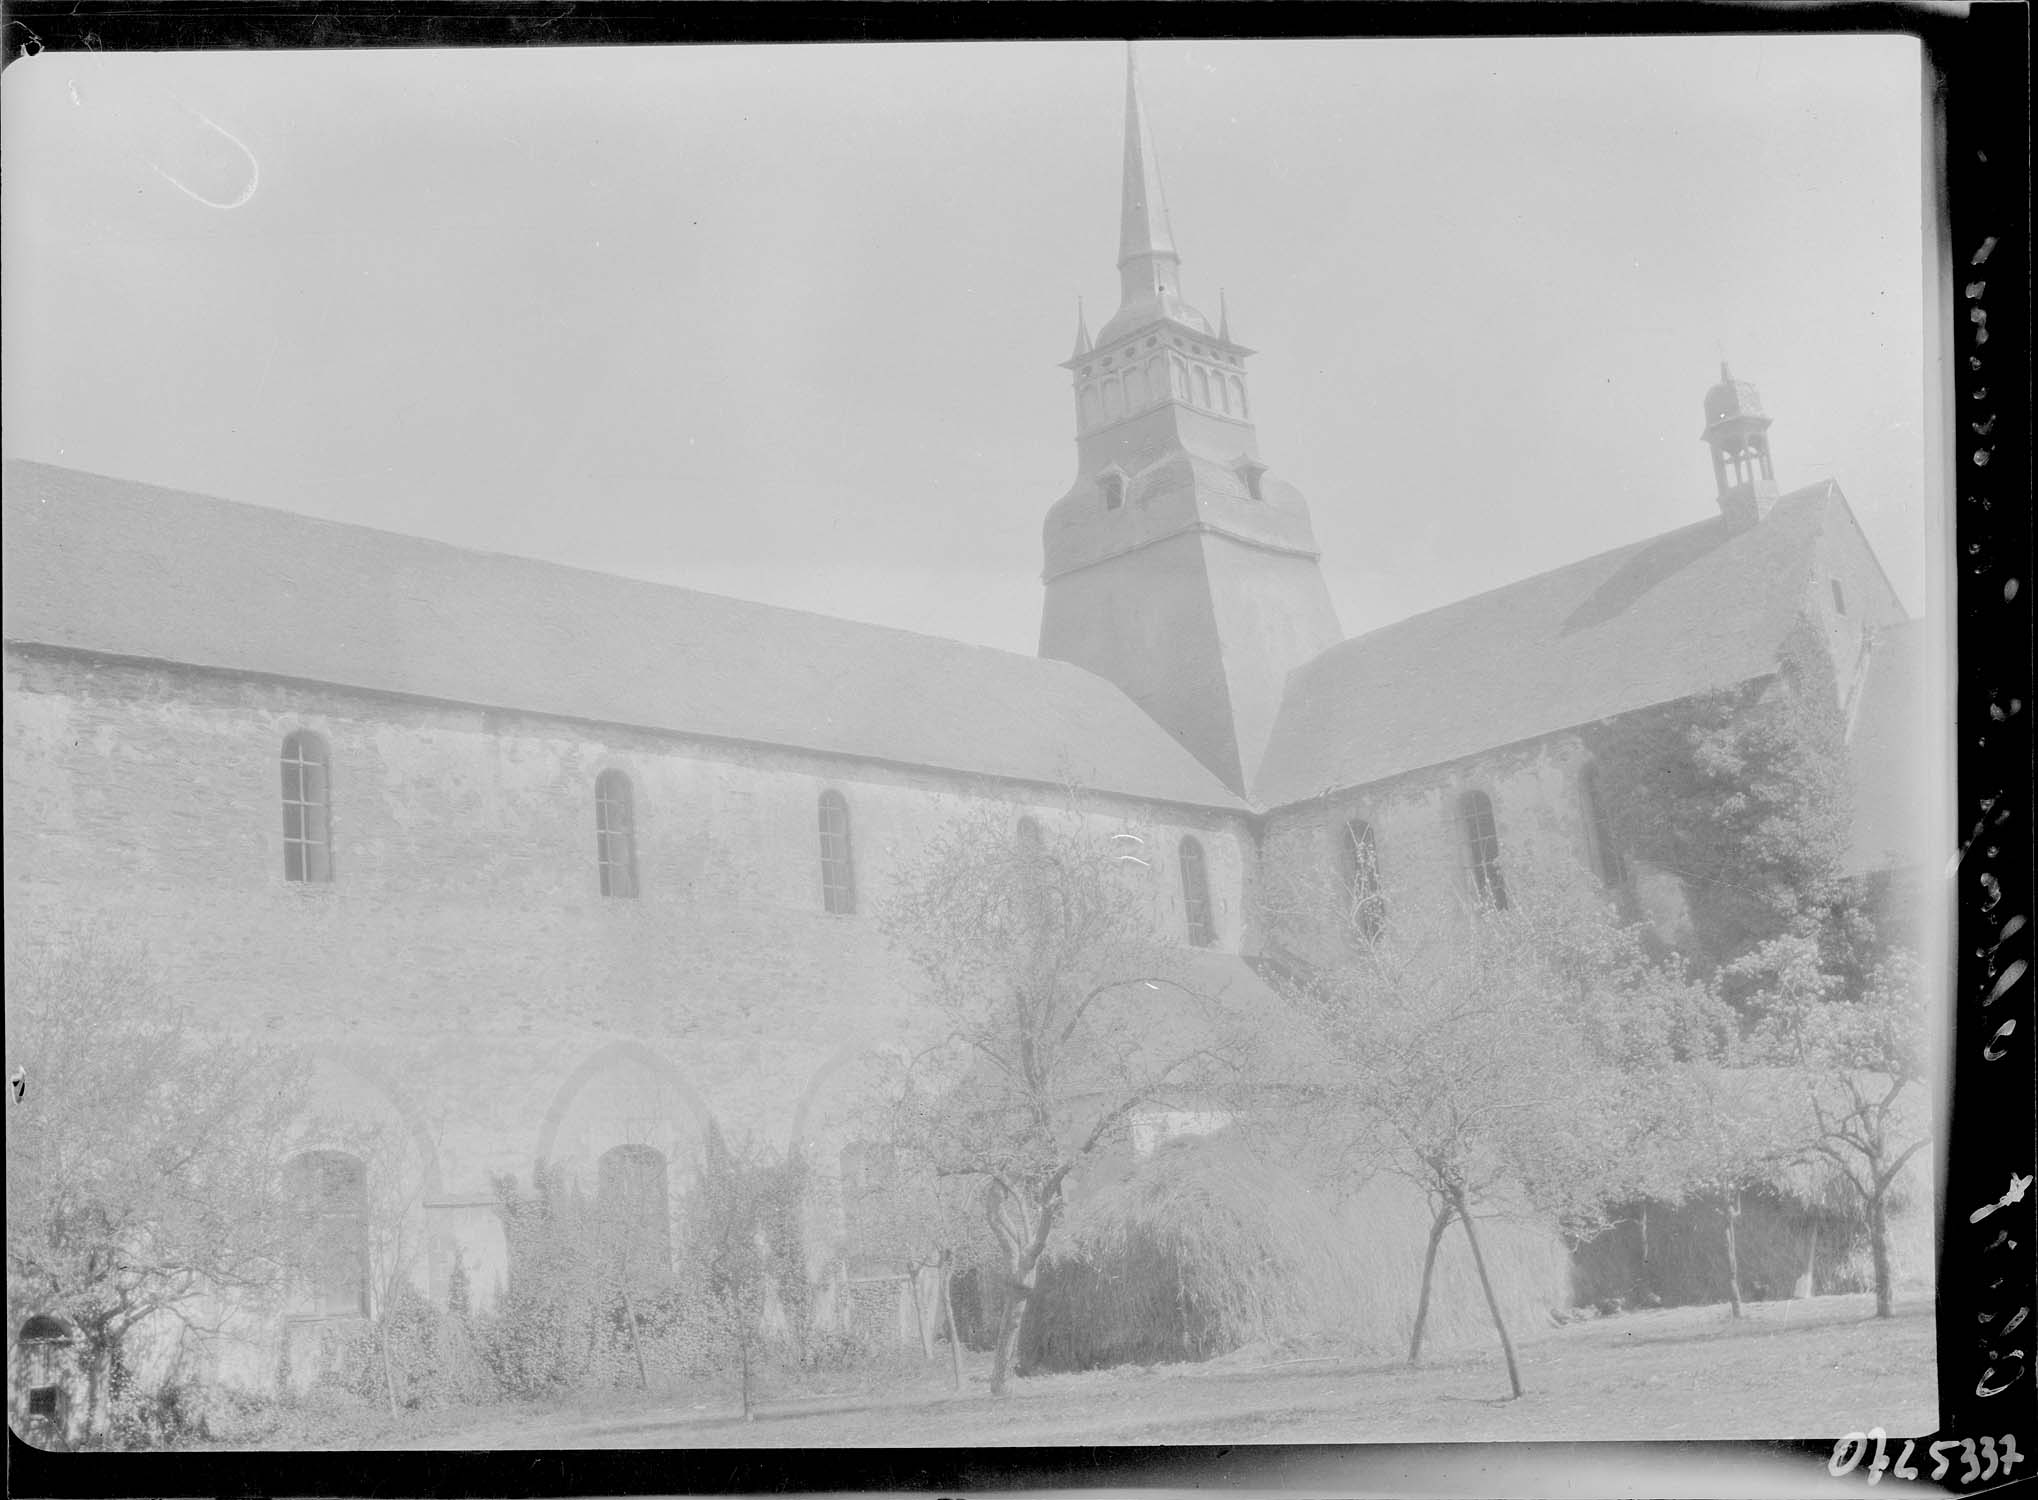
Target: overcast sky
<point x="785" y="322"/>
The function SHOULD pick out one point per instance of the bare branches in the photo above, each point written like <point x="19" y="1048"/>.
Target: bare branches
<point x="144" y="1168"/>
<point x="1064" y="1018"/>
<point x="1858" y="1064"/>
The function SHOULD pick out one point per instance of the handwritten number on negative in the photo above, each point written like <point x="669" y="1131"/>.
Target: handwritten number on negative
<point x="1982" y="1460"/>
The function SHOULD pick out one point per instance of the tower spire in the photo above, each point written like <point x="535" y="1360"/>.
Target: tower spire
<point x="1223" y="317"/>
<point x="1147" y="261"/>
<point x="1177" y="566"/>
<point x="1143" y="227"/>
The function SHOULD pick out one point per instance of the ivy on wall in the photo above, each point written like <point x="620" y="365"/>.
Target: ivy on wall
<point x="1743" y="795"/>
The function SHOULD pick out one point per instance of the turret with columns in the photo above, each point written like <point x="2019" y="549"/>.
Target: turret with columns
<point x="1737" y="431"/>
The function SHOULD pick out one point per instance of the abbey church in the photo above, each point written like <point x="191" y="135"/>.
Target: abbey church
<point x="548" y="868"/>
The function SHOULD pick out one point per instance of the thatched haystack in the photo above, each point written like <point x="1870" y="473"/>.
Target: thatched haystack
<point x="1801" y="1230"/>
<point x="1208" y="1247"/>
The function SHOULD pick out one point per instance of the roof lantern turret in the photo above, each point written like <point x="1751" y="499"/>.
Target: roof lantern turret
<point x="1737" y="431"/>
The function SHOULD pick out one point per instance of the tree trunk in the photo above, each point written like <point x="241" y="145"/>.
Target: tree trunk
<point x="1492" y="1302"/>
<point x="98" y="1376"/>
<point x="388" y="1374"/>
<point x="745" y="1343"/>
<point x="1006" y="1350"/>
<point x="1878" y="1247"/>
<point x="1811" y="1262"/>
<point x="636" y="1339"/>
<point x="1023" y="1260"/>
<point x="920" y="1328"/>
<point x="1731" y="1212"/>
<point x="1438" y="1226"/>
<point x="947" y="1274"/>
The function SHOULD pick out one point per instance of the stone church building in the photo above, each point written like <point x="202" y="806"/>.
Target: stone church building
<point x="542" y="866"/>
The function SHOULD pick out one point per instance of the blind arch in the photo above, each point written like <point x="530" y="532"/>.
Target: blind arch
<point x="330" y="1189"/>
<point x="633" y="1206"/>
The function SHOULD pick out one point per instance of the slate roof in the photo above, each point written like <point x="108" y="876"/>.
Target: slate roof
<point x="1702" y="607"/>
<point x="1885" y="753"/>
<point x="128" y="569"/>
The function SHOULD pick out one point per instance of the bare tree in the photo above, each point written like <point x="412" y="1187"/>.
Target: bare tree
<point x="1717" y="1124"/>
<point x="1483" y="1056"/>
<point x="423" y="1353"/>
<point x="742" y="1208"/>
<point x="1860" y="1062"/>
<point x="907" y="1214"/>
<point x="1062" y="1014"/>
<point x="144" y="1155"/>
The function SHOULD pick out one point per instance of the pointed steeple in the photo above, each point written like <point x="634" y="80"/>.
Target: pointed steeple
<point x="1223" y="317"/>
<point x="1149" y="270"/>
<point x="1177" y="566"/>
<point x="1143" y="228"/>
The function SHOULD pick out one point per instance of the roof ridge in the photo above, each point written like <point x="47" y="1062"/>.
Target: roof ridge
<point x="1579" y="562"/>
<point x="411" y="538"/>
<point x="216" y="583"/>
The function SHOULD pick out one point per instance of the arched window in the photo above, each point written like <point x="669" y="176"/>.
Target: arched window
<point x="1114" y="400"/>
<point x="1362" y="879"/>
<point x="1606" y="855"/>
<point x="634" y="1212"/>
<point x="1157" y="379"/>
<point x="1482" y="848"/>
<point x="1238" y="397"/>
<point x="1196" y="895"/>
<point x="1181" y="379"/>
<point x="1202" y="387"/>
<point x="330" y="1189"/>
<point x="307" y="808"/>
<point x="615" y="836"/>
<point x="1135" y="388"/>
<point x="1113" y="486"/>
<point x="838" y="869"/>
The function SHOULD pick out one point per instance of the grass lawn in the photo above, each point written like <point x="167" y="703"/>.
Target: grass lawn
<point x="1816" y="1368"/>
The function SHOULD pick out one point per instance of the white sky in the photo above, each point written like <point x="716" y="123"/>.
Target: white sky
<point x="784" y="322"/>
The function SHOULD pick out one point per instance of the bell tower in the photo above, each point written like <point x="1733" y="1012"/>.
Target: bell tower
<point x="1178" y="566"/>
<point x="1737" y="431"/>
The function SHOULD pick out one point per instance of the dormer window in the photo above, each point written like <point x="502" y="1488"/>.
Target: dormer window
<point x="1113" y="487"/>
<point x="1249" y="472"/>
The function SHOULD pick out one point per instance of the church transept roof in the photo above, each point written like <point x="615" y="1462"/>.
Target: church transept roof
<point x="1702" y="607"/>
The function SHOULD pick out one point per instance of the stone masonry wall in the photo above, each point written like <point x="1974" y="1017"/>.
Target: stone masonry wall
<point x="1419" y="845"/>
<point x="462" y="977"/>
